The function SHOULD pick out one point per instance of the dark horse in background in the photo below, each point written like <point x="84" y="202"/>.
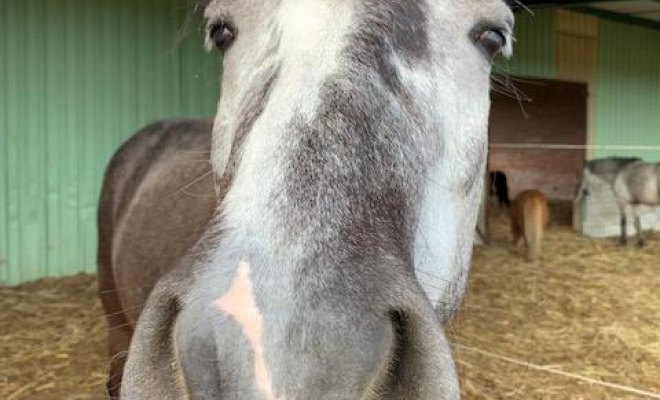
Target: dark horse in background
<point x="499" y="187"/>
<point x="312" y="245"/>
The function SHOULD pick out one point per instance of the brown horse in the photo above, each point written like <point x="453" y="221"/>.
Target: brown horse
<point x="321" y="266"/>
<point x="530" y="215"/>
<point x="162" y="170"/>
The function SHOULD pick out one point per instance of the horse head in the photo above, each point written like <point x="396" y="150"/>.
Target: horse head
<point x="349" y="146"/>
<point x="393" y="94"/>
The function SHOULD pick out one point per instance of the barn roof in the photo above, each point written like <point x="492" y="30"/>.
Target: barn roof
<point x="639" y="12"/>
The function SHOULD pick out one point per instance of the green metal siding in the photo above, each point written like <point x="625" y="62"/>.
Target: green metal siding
<point x="76" y="78"/>
<point x="628" y="89"/>
<point x="627" y="85"/>
<point x="4" y="153"/>
<point x="535" y="48"/>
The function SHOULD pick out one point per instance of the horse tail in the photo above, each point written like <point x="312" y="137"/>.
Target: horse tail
<point x="535" y="218"/>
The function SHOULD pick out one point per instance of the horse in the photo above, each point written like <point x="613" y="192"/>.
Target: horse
<point x="637" y="184"/>
<point x="327" y="267"/>
<point x="500" y="188"/>
<point x="530" y="215"/>
<point x="163" y="169"/>
<point x="601" y="169"/>
<point x="607" y="170"/>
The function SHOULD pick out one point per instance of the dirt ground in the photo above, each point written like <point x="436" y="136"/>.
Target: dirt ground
<point x="587" y="308"/>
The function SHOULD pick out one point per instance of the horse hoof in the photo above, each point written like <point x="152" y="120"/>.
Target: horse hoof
<point x="640" y="244"/>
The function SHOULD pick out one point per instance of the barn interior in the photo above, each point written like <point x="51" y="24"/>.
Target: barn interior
<point x="583" y="90"/>
<point x="581" y="322"/>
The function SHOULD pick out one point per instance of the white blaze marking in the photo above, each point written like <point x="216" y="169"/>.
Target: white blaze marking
<point x="240" y="305"/>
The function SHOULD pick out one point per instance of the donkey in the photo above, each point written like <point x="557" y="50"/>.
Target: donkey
<point x="530" y="215"/>
<point x="636" y="184"/>
<point x="348" y="156"/>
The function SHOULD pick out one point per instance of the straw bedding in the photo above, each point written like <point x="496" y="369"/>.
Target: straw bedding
<point x="587" y="307"/>
<point x="52" y="340"/>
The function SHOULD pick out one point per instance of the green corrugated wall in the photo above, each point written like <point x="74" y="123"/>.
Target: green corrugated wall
<point x="79" y="76"/>
<point x="535" y="46"/>
<point x="76" y="78"/>
<point x="628" y="89"/>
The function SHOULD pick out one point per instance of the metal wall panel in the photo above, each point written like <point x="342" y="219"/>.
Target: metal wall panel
<point x="576" y="59"/>
<point x="76" y="78"/>
<point x="4" y="144"/>
<point x="620" y="62"/>
<point x="535" y="46"/>
<point x="628" y="90"/>
<point x="576" y="46"/>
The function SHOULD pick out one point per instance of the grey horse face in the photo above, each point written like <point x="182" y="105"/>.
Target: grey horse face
<point x="433" y="57"/>
<point x="350" y="142"/>
<point x="588" y="181"/>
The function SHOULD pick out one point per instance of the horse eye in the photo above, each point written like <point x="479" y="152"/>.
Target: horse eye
<point x="221" y="35"/>
<point x="492" y="40"/>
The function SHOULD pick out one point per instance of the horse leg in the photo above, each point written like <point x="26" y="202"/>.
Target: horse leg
<point x="638" y="228"/>
<point x="623" y="240"/>
<point x="516" y="233"/>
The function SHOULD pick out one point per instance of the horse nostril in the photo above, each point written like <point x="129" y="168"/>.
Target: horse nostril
<point x="221" y="34"/>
